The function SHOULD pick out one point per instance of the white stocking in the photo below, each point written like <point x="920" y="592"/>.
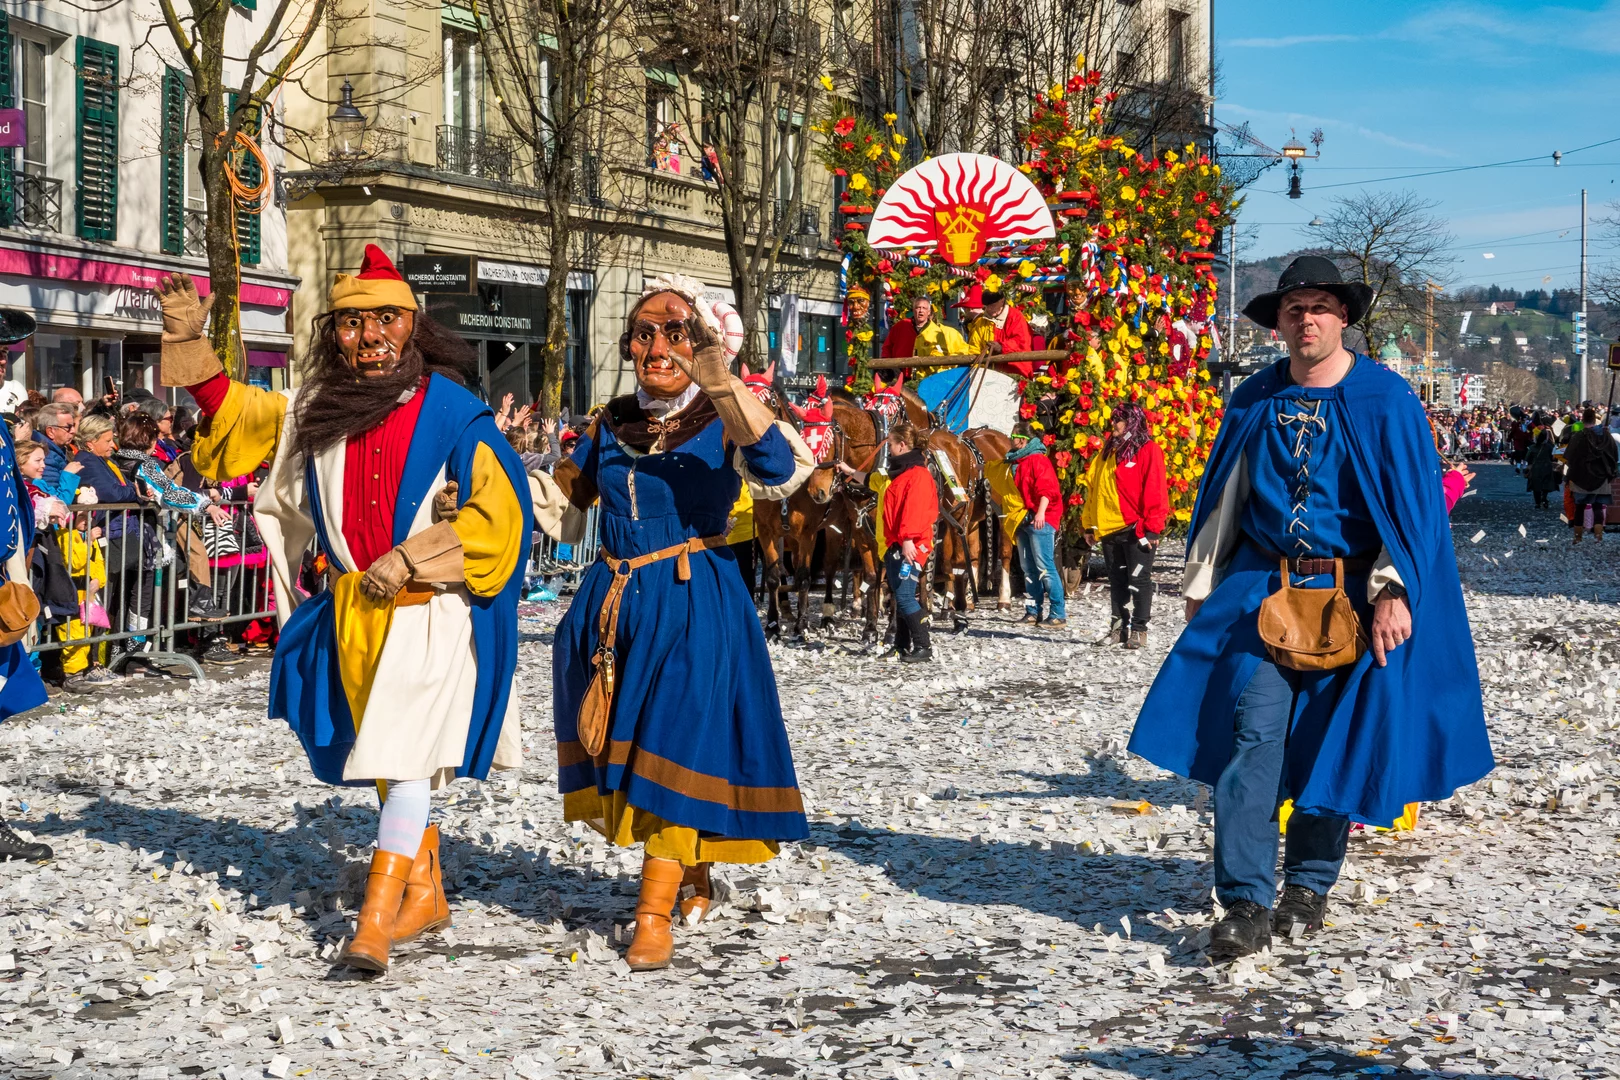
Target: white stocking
<point x="404" y="816"/>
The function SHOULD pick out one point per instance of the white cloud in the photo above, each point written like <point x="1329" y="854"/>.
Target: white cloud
<point x="1329" y="124"/>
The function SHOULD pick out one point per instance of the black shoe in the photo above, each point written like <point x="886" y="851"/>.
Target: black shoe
<point x="13" y="846"/>
<point x="1245" y="929"/>
<point x="1299" y="906"/>
<point x="203" y="609"/>
<point x="918" y="656"/>
<point x="219" y="652"/>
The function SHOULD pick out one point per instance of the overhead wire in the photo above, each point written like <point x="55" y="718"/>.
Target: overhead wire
<point x="1464" y="168"/>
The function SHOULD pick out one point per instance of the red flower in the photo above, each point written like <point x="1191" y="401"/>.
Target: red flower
<point x="917" y="271"/>
<point x="1062" y="458"/>
<point x="884" y="266"/>
<point x="1075" y="499"/>
<point x="846" y="145"/>
<point x="1048" y="439"/>
<point x="1086" y="388"/>
<point x="844" y="126"/>
<point x="1027" y="410"/>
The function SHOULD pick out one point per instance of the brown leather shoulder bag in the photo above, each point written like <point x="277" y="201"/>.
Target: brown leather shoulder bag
<point x="1312" y="629"/>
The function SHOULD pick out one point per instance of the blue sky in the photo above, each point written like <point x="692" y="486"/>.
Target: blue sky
<point x="1414" y="87"/>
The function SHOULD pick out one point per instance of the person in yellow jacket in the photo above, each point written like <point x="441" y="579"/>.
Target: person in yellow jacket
<point x="934" y="338"/>
<point x="81" y="551"/>
<point x="400" y="674"/>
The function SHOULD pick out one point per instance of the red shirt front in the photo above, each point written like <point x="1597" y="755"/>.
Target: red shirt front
<point x="1036" y="479"/>
<point x="902" y="340"/>
<point x="910" y="509"/>
<point x="373" y="464"/>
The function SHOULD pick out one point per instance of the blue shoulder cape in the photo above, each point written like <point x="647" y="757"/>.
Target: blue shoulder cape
<point x="306" y="688"/>
<point x="21" y="688"/>
<point x="1365" y="740"/>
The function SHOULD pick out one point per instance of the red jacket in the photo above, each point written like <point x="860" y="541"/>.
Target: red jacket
<point x="910" y="509"/>
<point x="1036" y="479"/>
<point x="1144" y="494"/>
<point x="1014" y="337"/>
<point x="902" y="340"/>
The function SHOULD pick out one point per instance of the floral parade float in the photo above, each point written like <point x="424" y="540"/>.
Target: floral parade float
<point x="1120" y="270"/>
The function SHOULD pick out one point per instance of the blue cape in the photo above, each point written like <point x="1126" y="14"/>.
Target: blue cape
<point x="22" y="688"/>
<point x="306" y="687"/>
<point x="1365" y="740"/>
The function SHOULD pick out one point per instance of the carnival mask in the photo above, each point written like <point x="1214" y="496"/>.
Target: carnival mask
<point x="657" y="335"/>
<point x="859" y="308"/>
<point x="371" y="341"/>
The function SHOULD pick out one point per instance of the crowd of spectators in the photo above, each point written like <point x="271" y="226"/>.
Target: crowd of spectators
<point x="95" y="471"/>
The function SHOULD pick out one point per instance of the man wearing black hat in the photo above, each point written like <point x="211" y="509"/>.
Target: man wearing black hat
<point x="1327" y="657"/>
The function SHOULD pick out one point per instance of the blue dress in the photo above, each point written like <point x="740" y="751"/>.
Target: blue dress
<point x="696" y="735"/>
<point x="1335" y="472"/>
<point x="21" y="688"/>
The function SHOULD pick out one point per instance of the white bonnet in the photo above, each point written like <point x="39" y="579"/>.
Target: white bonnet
<point x="720" y="316"/>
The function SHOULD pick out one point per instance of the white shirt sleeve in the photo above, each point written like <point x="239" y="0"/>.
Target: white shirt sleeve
<point x="1212" y="548"/>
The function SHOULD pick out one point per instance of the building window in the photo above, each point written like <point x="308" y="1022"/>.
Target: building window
<point x="31" y="80"/>
<point x="663" y="131"/>
<point x="1176" y="49"/>
<point x="787" y="173"/>
<point x="463" y="81"/>
<point x="1124" y="68"/>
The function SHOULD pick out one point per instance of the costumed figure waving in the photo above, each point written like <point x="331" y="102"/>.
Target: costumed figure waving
<point x="669" y="731"/>
<point x="1327" y="657"/>
<point x="400" y="672"/>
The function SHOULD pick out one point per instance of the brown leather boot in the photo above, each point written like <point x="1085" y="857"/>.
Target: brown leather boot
<point x="424" y="908"/>
<point x="660" y="885"/>
<point x="374" y="928"/>
<point x="696" y="906"/>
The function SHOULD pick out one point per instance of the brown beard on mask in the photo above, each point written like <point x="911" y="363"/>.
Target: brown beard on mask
<point x="336" y="403"/>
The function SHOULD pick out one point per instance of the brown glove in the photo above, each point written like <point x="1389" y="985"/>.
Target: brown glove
<point x="435" y="556"/>
<point x="386" y="577"/>
<point x="445" y="506"/>
<point x="188" y="359"/>
<point x="746" y="418"/>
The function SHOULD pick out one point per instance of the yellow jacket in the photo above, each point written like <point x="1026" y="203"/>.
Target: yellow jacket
<point x="937" y="339"/>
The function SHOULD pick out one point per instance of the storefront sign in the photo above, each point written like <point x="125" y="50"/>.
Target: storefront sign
<point x="13" y="127"/>
<point x="440" y="273"/>
<point x="41" y="264"/>
<point x="139" y="304"/>
<point x="503" y="312"/>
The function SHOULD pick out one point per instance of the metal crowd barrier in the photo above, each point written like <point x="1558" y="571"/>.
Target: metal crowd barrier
<point x="549" y="558"/>
<point x="142" y="560"/>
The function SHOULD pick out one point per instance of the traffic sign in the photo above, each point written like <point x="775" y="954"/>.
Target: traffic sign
<point x="1614" y="356"/>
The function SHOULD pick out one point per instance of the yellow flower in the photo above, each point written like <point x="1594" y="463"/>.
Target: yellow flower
<point x="993" y="283"/>
<point x="827" y="83"/>
<point x="1080" y="62"/>
<point x="1127" y="193"/>
<point x="889" y="118"/>
<point x="1056" y="93"/>
<point x="864" y="335"/>
<point x="895" y="154"/>
<point x="1170" y="155"/>
<point x="1141" y="371"/>
<point x="858" y="182"/>
<point x="1026" y="268"/>
<point x="874" y="151"/>
<point x="899" y="139"/>
<point x="1035" y="425"/>
<point x="1067" y="417"/>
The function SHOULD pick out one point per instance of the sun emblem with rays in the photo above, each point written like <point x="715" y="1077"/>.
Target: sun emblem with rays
<point x="959" y="204"/>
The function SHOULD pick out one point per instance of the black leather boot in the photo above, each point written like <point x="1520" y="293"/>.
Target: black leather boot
<point x="1245" y="929"/>
<point x="920" y="652"/>
<point x="13" y="846"/>
<point x="1299" y="906"/>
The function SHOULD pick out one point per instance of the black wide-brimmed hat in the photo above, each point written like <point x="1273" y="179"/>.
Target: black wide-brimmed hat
<point x="15" y="326"/>
<point x="1310" y="272"/>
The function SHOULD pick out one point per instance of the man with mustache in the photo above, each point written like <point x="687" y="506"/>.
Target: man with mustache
<point x="669" y="730"/>
<point x="400" y="672"/>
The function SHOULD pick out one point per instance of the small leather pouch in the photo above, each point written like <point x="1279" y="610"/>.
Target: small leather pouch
<point x="1312" y="629"/>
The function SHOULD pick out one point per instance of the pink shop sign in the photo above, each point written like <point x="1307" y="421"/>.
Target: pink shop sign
<point x="98" y="272"/>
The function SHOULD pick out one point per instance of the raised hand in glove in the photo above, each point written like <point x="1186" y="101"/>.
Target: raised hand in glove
<point x="708" y="366"/>
<point x="188" y="359"/>
<point x="445" y="505"/>
<point x="184" y="313"/>
<point x="386" y="577"/>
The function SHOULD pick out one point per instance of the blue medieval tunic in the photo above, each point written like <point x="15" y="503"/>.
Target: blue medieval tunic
<point x="21" y="688"/>
<point x="696" y="737"/>
<point x="1348" y="471"/>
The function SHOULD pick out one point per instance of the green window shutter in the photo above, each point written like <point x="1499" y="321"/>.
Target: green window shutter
<point x="249" y="173"/>
<point x="8" y="100"/>
<point x="96" y="165"/>
<point x="174" y="161"/>
<point x="246" y="5"/>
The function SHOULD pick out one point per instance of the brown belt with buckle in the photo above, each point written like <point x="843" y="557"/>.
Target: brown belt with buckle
<point x="1301" y="567"/>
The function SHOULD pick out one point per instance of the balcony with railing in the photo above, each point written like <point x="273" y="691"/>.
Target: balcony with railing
<point x="37" y="202"/>
<point x="466" y="152"/>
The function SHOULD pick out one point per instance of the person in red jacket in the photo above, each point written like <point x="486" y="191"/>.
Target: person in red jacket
<point x="1127" y="501"/>
<point x="1037" y="484"/>
<point x="909" y="508"/>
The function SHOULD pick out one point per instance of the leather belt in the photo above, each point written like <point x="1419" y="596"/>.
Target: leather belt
<point x="1353" y="567"/>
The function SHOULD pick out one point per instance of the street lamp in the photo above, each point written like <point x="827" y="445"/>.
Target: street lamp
<point x="1293" y="149"/>
<point x="346" y="126"/>
<point x="808" y="240"/>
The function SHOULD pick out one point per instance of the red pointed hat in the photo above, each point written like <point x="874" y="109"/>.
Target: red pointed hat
<point x="378" y="284"/>
<point x="972" y="297"/>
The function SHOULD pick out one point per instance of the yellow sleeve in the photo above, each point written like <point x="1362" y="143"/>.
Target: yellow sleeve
<point x="742" y="512"/>
<point x="1089" y="510"/>
<point x="879" y="483"/>
<point x="981" y="335"/>
<point x="242" y="435"/>
<point x="490" y="525"/>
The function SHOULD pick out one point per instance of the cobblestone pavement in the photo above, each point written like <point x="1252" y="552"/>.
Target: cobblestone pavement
<point x="992" y="888"/>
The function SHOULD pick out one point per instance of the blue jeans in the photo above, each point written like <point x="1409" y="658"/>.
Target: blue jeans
<point x="902" y="577"/>
<point x="1247" y="796"/>
<point x="1041" y="578"/>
